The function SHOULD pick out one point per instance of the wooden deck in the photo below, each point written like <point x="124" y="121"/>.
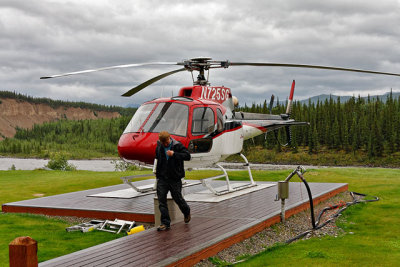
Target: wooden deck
<point x="214" y="226"/>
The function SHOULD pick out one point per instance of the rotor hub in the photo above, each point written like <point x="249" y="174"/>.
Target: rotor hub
<point x="202" y="64"/>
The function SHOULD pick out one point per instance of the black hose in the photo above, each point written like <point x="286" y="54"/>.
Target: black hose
<point x="310" y="199"/>
<point x="344" y="207"/>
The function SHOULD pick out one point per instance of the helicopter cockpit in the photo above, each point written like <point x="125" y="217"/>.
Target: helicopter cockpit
<point x="193" y="123"/>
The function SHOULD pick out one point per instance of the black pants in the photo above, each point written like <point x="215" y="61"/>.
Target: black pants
<point x="175" y="187"/>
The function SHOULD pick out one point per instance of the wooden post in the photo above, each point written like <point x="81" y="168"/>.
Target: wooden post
<point x="23" y="252"/>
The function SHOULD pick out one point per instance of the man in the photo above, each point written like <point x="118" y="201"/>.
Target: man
<point x="170" y="155"/>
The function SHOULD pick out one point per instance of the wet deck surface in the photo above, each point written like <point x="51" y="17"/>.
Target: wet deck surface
<point x="214" y="226"/>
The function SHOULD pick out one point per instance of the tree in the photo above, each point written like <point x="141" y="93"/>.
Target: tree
<point x="312" y="140"/>
<point x="336" y="135"/>
<point x="346" y="143"/>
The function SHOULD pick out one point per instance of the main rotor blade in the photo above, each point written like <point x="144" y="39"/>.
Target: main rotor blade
<point x="109" y="68"/>
<point x="151" y="81"/>
<point x="285" y="65"/>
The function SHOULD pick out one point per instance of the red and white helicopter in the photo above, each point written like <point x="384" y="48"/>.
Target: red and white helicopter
<point x="201" y="117"/>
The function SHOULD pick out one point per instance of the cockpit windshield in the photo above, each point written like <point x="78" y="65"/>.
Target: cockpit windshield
<point x="139" y="118"/>
<point x="171" y="117"/>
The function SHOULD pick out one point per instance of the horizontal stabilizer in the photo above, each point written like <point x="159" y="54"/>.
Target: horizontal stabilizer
<point x="279" y="124"/>
<point x="256" y="116"/>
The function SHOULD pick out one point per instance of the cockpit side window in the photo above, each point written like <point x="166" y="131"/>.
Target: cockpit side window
<point x="203" y="121"/>
<point x="139" y="118"/>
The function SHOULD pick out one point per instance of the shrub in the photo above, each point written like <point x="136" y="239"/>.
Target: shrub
<point x="59" y="161"/>
<point x="122" y="166"/>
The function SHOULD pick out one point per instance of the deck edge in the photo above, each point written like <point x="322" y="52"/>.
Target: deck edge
<point x="108" y="215"/>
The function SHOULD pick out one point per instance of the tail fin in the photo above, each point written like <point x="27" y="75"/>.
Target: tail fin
<point x="288" y="113"/>
<point x="289" y="105"/>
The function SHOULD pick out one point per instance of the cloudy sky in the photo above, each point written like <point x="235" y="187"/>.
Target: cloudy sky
<point x="46" y="37"/>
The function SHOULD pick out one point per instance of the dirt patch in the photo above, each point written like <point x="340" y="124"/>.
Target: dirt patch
<point x="22" y="114"/>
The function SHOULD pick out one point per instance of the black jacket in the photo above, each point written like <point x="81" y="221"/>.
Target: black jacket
<point x="172" y="168"/>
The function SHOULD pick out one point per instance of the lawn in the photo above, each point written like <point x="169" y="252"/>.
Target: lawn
<point x="53" y="240"/>
<point x="372" y="229"/>
<point x="375" y="238"/>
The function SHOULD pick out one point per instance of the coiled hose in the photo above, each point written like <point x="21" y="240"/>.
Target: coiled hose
<point x="344" y="206"/>
<point x="318" y="225"/>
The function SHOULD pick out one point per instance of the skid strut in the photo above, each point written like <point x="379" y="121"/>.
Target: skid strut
<point x="229" y="187"/>
<point x="141" y="189"/>
<point x="150" y="188"/>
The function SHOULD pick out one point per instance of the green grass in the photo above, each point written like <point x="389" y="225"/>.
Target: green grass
<point x="53" y="240"/>
<point x="375" y="238"/>
<point x="375" y="226"/>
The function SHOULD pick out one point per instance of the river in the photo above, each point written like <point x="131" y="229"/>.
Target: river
<point x="108" y="165"/>
<point x="31" y="164"/>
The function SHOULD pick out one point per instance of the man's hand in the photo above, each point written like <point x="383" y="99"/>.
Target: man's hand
<point x="170" y="153"/>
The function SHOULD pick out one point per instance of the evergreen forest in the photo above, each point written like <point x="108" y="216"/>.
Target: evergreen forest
<point x="76" y="139"/>
<point x="359" y="124"/>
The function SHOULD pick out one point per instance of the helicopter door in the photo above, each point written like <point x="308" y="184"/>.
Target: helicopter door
<point x="220" y="121"/>
<point x="202" y="124"/>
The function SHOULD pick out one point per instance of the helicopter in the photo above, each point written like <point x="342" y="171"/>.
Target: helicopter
<point x="202" y="117"/>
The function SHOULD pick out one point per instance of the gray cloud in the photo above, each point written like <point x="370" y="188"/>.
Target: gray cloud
<point x="49" y="37"/>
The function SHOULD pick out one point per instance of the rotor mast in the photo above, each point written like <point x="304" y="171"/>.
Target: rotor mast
<point x="201" y="79"/>
<point x="202" y="64"/>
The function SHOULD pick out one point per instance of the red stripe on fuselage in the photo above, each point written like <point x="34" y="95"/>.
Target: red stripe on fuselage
<point x="261" y="128"/>
<point x="227" y="131"/>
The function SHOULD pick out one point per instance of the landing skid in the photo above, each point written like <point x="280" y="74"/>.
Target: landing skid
<point x="150" y="188"/>
<point x="141" y="189"/>
<point x="205" y="182"/>
<point x="229" y="188"/>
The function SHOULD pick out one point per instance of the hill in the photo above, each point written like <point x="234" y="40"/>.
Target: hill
<point x="20" y="111"/>
<point x="324" y="97"/>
